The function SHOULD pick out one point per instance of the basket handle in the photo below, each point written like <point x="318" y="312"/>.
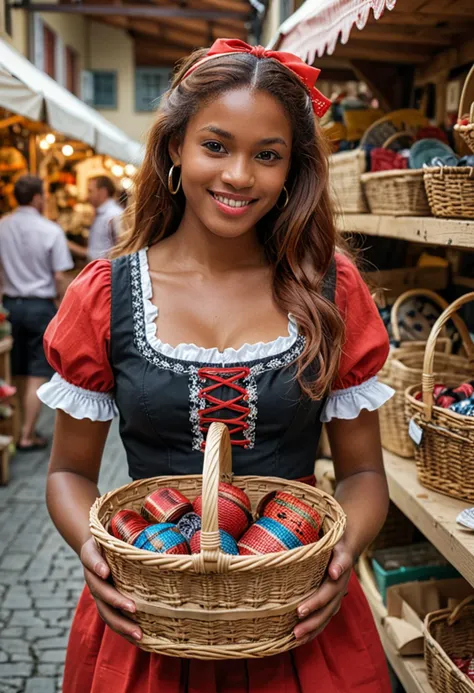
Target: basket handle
<point x="467" y="94"/>
<point x="395" y="136"/>
<point x="459" y="323"/>
<point x="456" y="612"/>
<point x="428" y="381"/>
<point x="217" y="462"/>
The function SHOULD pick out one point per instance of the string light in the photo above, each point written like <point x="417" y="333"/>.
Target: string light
<point x="50" y="138"/>
<point x="44" y="145"/>
<point x="117" y="171"/>
<point x="108" y="163"/>
<point x="127" y="183"/>
<point x="67" y="150"/>
<point x="130" y="170"/>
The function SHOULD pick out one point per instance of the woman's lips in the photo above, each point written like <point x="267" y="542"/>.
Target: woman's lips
<point x="232" y="206"/>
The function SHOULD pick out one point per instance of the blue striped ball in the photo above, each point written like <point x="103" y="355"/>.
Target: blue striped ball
<point x="228" y="543"/>
<point x="162" y="538"/>
<point x="267" y="535"/>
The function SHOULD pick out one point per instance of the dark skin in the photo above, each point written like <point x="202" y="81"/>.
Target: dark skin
<point x="208" y="279"/>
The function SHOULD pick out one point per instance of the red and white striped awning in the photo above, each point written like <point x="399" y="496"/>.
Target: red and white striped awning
<point x="315" y="28"/>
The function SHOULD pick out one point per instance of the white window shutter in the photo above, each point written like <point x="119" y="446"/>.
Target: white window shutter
<point x="38" y="42"/>
<point x="60" y="62"/>
<point x="87" y="87"/>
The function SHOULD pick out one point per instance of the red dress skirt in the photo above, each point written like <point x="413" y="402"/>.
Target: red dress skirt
<point x="347" y="657"/>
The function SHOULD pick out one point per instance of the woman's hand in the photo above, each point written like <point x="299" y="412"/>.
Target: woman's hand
<point x="316" y="612"/>
<point x="110" y="603"/>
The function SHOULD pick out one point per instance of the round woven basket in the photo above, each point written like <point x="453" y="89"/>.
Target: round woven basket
<point x="404" y="368"/>
<point x="399" y="192"/>
<point x="213" y="605"/>
<point x="466" y="110"/>
<point x="450" y="191"/>
<point x="449" y="633"/>
<point x="445" y="454"/>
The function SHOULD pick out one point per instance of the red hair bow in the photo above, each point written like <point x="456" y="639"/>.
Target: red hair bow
<point x="307" y="74"/>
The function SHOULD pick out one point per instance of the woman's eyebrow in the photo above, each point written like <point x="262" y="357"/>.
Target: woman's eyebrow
<point x="229" y="136"/>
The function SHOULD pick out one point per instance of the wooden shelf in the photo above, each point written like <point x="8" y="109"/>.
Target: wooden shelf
<point x="410" y="670"/>
<point x="433" y="514"/>
<point x="457" y="233"/>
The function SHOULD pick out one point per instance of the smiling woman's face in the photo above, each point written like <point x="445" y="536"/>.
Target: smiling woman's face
<point x="234" y="158"/>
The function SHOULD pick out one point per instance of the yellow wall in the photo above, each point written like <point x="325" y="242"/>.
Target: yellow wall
<point x="19" y="38"/>
<point x="72" y="30"/>
<point x="118" y="55"/>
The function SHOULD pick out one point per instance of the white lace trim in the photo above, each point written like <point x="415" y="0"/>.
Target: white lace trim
<point x="76" y="401"/>
<point x="191" y="352"/>
<point x="348" y="403"/>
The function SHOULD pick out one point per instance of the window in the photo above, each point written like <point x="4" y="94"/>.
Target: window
<point x="71" y="70"/>
<point x="286" y="9"/>
<point x="49" y="56"/>
<point x="104" y="89"/>
<point x="8" y="17"/>
<point x="150" y="84"/>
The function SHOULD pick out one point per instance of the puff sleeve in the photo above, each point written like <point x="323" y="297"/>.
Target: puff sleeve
<point x="76" y="345"/>
<point x="364" y="352"/>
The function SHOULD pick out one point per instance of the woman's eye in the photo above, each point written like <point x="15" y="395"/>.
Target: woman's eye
<point x="214" y="147"/>
<point x="268" y="156"/>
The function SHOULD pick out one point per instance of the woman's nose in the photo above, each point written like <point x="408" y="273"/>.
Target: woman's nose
<point x="238" y="173"/>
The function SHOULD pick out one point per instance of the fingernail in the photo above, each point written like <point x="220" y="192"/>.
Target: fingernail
<point x="137" y="635"/>
<point x="130" y="606"/>
<point x="302" y="613"/>
<point x="102" y="570"/>
<point x="337" y="572"/>
<point x="298" y="634"/>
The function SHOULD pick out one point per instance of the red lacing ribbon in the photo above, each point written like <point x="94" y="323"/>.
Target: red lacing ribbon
<point x="227" y="377"/>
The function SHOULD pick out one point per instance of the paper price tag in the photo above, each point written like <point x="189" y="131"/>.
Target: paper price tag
<point x="415" y="432"/>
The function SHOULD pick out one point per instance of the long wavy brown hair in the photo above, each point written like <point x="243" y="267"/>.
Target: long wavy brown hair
<point x="299" y="241"/>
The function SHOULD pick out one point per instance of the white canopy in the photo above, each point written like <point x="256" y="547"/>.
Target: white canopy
<point x="314" y="29"/>
<point x="26" y="90"/>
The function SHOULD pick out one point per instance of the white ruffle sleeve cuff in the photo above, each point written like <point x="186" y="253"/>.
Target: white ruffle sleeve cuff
<point x="348" y="403"/>
<point x="76" y="401"/>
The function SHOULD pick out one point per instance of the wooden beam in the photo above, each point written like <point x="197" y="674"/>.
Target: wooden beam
<point x="12" y="120"/>
<point x="153" y="54"/>
<point x="463" y="54"/>
<point x="144" y="11"/>
<point x="403" y="34"/>
<point x="367" y="51"/>
<point x="231" y="5"/>
<point x="416" y="19"/>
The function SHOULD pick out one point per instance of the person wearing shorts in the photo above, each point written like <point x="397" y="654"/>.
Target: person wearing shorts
<point x="33" y="258"/>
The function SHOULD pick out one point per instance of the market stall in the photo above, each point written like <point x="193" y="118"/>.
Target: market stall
<point x="402" y="176"/>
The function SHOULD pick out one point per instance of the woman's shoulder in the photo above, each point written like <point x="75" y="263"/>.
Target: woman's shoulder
<point x="95" y="276"/>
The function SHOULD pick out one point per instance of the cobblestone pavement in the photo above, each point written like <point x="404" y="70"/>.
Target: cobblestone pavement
<point x="40" y="576"/>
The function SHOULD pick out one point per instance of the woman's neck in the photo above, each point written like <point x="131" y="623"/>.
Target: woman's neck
<point x="194" y="243"/>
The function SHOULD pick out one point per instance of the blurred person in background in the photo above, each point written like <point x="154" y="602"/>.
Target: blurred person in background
<point x="104" y="231"/>
<point x="33" y="258"/>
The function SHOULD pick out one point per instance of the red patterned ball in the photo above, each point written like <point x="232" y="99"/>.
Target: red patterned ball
<point x="233" y="509"/>
<point x="162" y="538"/>
<point x="165" y="505"/>
<point x="267" y="536"/>
<point x="228" y="543"/>
<point x="295" y="514"/>
<point x="127" y="525"/>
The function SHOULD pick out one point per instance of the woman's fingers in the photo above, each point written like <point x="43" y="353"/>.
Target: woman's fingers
<point x="328" y="590"/>
<point x="313" y="625"/>
<point x="93" y="560"/>
<point x="108" y="594"/>
<point x="121" y="625"/>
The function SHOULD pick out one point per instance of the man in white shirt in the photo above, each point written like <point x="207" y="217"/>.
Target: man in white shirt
<point x="33" y="258"/>
<point x="103" y="233"/>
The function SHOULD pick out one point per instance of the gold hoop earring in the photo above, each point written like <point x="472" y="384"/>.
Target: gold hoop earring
<point x="170" y="182"/>
<point x="286" y="200"/>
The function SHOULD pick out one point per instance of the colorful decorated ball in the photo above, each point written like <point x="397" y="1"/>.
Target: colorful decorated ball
<point x="267" y="536"/>
<point x="127" y="525"/>
<point x="233" y="507"/>
<point x="162" y="538"/>
<point x="228" y="543"/>
<point x="295" y="514"/>
<point x="189" y="524"/>
<point x="165" y="505"/>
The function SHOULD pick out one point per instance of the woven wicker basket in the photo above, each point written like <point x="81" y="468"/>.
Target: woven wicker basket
<point x="212" y="605"/>
<point x="466" y="109"/>
<point x="445" y="455"/>
<point x="404" y="368"/>
<point x="398" y="193"/>
<point x="450" y="191"/>
<point x="345" y="170"/>
<point x="449" y="633"/>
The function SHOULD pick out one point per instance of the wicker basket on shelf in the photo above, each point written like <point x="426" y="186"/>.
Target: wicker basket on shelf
<point x="212" y="605"/>
<point x="466" y="111"/>
<point x="345" y="170"/>
<point x="449" y="633"/>
<point x="445" y="454"/>
<point x="404" y="367"/>
<point x="398" y="193"/>
<point x="450" y="191"/>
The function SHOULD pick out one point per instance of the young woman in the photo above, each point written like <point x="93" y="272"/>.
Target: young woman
<point x="227" y="303"/>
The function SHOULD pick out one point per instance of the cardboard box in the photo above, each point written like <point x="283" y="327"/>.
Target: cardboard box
<point x="408" y="604"/>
